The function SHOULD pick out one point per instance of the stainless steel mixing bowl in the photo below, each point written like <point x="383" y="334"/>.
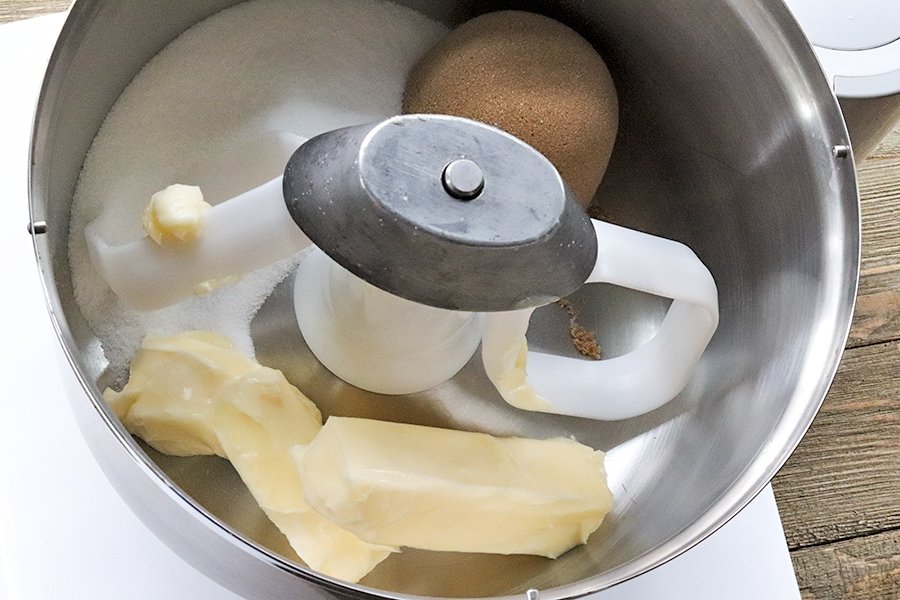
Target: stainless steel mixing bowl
<point x="730" y="141"/>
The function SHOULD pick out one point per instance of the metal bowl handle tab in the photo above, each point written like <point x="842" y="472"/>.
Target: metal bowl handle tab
<point x="625" y="386"/>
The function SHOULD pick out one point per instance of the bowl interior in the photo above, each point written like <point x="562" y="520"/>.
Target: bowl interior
<point x="724" y="144"/>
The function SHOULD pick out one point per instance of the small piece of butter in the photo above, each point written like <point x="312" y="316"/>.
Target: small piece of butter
<point x="504" y="352"/>
<point x="175" y="215"/>
<point x="439" y="489"/>
<point x="211" y="285"/>
<point x="193" y="393"/>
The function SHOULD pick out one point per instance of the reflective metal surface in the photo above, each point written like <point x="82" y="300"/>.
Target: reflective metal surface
<point x="523" y="242"/>
<point x="725" y="143"/>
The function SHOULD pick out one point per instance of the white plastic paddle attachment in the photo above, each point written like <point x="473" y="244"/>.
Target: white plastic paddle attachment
<point x="375" y="340"/>
<point x="628" y="385"/>
<point x="240" y="235"/>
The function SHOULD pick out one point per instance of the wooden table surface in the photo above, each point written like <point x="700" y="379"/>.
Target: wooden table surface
<point x="839" y="494"/>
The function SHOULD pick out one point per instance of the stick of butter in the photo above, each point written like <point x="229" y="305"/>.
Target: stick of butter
<point x="193" y="393"/>
<point x="439" y="489"/>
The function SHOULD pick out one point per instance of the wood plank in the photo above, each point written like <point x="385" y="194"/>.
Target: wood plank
<point x="889" y="146"/>
<point x="877" y="316"/>
<point x="14" y="10"/>
<point x="842" y="481"/>
<point x="865" y="568"/>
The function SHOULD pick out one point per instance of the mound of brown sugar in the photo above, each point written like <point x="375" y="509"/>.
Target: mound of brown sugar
<point x="531" y="76"/>
<point x="583" y="339"/>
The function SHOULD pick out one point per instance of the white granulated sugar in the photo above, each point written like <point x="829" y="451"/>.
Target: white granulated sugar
<point x="196" y="114"/>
